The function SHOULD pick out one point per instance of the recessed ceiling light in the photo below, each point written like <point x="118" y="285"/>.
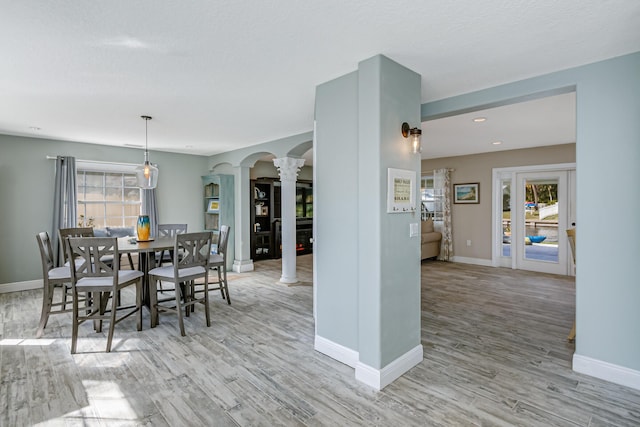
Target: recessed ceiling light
<point x="34" y="128"/>
<point x="480" y="119"/>
<point x="496" y="142"/>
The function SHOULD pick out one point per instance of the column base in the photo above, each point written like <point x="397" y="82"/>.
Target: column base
<point x="242" y="266"/>
<point x="289" y="280"/>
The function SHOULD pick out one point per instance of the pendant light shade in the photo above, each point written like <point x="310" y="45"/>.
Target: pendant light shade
<point x="146" y="174"/>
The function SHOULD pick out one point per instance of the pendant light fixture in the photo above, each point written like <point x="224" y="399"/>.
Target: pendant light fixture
<point x="146" y="174"/>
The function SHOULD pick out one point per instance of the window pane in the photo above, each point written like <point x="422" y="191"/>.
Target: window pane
<point x="113" y="194"/>
<point x="132" y="194"/>
<point x="94" y="179"/>
<point x="132" y="210"/>
<point x="113" y="180"/>
<point x="130" y="181"/>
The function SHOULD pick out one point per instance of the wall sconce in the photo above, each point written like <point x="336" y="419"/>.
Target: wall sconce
<point x="415" y="134"/>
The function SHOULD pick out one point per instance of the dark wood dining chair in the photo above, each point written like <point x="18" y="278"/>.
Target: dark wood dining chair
<point x="219" y="262"/>
<point x="53" y="278"/>
<point x="90" y="274"/>
<point x="190" y="262"/>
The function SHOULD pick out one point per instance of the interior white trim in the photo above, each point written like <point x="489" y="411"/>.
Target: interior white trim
<point x="240" y="266"/>
<point x="20" y="286"/>
<point x="474" y="261"/>
<point x="380" y="378"/>
<point x="606" y="371"/>
<point x="336" y="351"/>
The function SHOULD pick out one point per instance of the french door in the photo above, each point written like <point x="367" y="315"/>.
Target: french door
<point x="534" y="206"/>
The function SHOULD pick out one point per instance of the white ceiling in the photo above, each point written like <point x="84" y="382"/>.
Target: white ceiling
<point x="221" y="75"/>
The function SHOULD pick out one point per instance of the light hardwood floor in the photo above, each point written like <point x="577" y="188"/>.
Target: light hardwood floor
<point x="494" y="346"/>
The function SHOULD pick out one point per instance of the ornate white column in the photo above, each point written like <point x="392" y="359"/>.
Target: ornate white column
<point x="288" y="168"/>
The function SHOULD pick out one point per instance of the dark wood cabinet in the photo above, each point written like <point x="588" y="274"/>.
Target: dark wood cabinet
<point x="262" y="209"/>
<point x="266" y="234"/>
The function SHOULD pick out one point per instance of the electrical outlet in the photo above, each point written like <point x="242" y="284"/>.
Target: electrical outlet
<point x="468" y="242"/>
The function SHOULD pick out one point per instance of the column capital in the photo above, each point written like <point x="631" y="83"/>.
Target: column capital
<point x="288" y="168"/>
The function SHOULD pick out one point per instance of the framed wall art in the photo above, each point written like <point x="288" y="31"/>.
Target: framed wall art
<point x="466" y="193"/>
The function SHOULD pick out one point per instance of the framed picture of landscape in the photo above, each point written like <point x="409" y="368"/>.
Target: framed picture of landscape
<point x="466" y="193"/>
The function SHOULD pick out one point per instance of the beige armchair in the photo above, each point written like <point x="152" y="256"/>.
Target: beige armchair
<point x="429" y="240"/>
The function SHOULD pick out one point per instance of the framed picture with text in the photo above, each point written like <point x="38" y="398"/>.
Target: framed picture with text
<point x="401" y="196"/>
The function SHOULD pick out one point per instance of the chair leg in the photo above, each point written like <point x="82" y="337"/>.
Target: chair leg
<point x="153" y="302"/>
<point x="112" y="320"/>
<point x="74" y="327"/>
<point x="139" y="303"/>
<point x="572" y="333"/>
<point x="226" y="284"/>
<point x="47" y="299"/>
<point x="206" y="302"/>
<point x="179" y="297"/>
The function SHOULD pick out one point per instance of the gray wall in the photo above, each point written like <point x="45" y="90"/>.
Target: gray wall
<point x="607" y="158"/>
<point x="26" y="191"/>
<point x="473" y="222"/>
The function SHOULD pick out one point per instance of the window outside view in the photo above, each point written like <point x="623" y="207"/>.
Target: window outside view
<point x="107" y="199"/>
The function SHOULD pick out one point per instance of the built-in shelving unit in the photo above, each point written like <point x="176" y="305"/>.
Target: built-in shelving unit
<point x="218" y="200"/>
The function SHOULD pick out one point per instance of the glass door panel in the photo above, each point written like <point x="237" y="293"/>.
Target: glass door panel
<point x="541" y="213"/>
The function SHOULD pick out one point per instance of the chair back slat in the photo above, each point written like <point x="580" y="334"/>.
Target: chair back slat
<point x="90" y="253"/>
<point x="223" y="239"/>
<point x="65" y="233"/>
<point x="46" y="251"/>
<point x="195" y="249"/>
<point x="170" y="230"/>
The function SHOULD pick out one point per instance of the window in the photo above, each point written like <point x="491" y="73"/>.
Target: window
<point x="427" y="197"/>
<point x="108" y="195"/>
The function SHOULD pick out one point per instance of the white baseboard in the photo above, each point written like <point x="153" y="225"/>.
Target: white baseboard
<point x="242" y="266"/>
<point x="336" y="351"/>
<point x="606" y="371"/>
<point x="380" y="378"/>
<point x="20" y="286"/>
<point x="474" y="261"/>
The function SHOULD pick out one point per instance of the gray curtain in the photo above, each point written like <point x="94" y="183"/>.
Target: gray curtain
<point x="150" y="207"/>
<point x="64" y="201"/>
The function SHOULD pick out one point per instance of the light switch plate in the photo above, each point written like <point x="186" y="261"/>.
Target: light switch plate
<point x="413" y="229"/>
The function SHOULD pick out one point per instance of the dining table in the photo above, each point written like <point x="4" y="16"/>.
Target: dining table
<point x="146" y="250"/>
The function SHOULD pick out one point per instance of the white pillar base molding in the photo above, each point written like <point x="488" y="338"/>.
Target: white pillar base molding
<point x="606" y="371"/>
<point x="242" y="266"/>
<point x="336" y="351"/>
<point x="380" y="378"/>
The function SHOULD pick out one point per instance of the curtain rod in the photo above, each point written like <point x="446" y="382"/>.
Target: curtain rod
<point x="100" y="162"/>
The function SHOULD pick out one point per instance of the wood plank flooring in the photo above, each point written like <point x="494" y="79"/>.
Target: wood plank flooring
<point x="495" y="354"/>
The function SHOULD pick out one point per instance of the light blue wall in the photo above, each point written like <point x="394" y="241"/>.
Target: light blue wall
<point x="336" y="210"/>
<point x="367" y="266"/>
<point x="26" y="186"/>
<point x="608" y="202"/>
<point x="389" y="260"/>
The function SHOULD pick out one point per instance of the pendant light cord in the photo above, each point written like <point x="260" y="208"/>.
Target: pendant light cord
<point x="146" y="137"/>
